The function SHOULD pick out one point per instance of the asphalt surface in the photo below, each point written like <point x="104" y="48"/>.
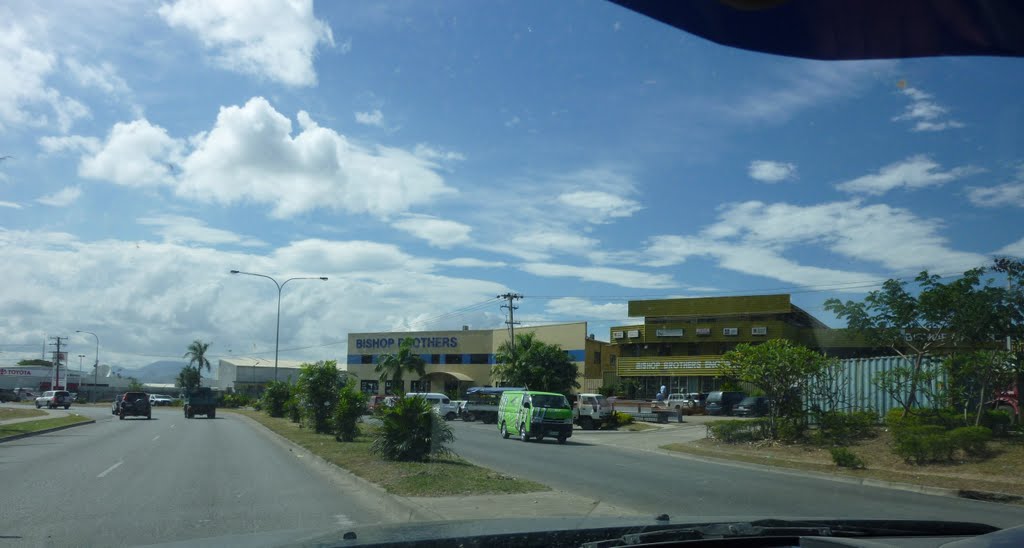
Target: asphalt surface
<point x="681" y="487"/>
<point x="138" y="481"/>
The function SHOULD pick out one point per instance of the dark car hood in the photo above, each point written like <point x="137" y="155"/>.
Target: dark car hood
<point x="565" y="531"/>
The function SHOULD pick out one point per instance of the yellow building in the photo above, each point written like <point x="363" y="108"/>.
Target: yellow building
<point x="457" y="360"/>
<point x="680" y="342"/>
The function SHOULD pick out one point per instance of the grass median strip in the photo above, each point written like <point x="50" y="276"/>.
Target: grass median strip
<point x="1003" y="473"/>
<point x="7" y="413"/>
<point x="453" y="476"/>
<point x="7" y="430"/>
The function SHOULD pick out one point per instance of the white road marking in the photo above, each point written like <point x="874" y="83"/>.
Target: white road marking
<point x="156" y="438"/>
<point x="172" y="426"/>
<point x="343" y="520"/>
<point x="111" y="469"/>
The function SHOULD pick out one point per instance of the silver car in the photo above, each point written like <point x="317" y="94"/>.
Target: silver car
<point x="54" y="399"/>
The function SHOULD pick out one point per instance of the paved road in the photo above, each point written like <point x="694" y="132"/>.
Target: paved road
<point x="132" y="482"/>
<point x="656" y="483"/>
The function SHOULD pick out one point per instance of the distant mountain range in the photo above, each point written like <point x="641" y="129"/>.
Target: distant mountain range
<point x="164" y="371"/>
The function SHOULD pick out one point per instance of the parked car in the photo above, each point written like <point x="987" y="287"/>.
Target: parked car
<point x="8" y="395"/>
<point x="722" y="403"/>
<point x="442" y="404"/>
<point x="751" y="406"/>
<point x="134" y="404"/>
<point x="54" y="399"/>
<point x="159" y="399"/>
<point x="116" y="406"/>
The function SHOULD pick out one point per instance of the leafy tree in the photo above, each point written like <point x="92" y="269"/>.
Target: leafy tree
<point x="44" y="363"/>
<point x="535" y="364"/>
<point x="778" y="367"/>
<point x="412" y="431"/>
<point x="318" y="387"/>
<point x="134" y="385"/>
<point x="188" y="378"/>
<point x="351" y="406"/>
<point x="274" y="398"/>
<point x="943" y="318"/>
<point x="197" y="358"/>
<point x="394" y="366"/>
<point x="977" y="374"/>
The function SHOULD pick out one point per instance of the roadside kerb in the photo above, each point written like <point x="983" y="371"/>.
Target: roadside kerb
<point x="45" y="431"/>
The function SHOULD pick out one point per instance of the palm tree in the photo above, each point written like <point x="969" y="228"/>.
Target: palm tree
<point x="512" y="359"/>
<point x="394" y="366"/>
<point x="197" y="356"/>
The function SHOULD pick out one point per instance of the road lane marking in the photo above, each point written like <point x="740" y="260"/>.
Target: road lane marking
<point x="156" y="438"/>
<point x="111" y="469"/>
<point x="172" y="426"/>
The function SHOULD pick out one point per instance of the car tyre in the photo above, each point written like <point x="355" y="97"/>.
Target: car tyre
<point x="561" y="440"/>
<point x="587" y="423"/>
<point x="504" y="431"/>
<point x="450" y="416"/>
<point x="523" y="434"/>
<point x="121" y="416"/>
<point x="212" y="414"/>
<point x="38" y="406"/>
<point x="468" y="417"/>
<point x="67" y="407"/>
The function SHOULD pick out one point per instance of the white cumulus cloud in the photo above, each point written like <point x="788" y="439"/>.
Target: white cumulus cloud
<point x="180" y="229"/>
<point x="1007" y="194"/>
<point x="584" y="308"/>
<point x="925" y="113"/>
<point x="438" y="232"/>
<point x="62" y="198"/>
<point x="371" y="118"/>
<point x="768" y="171"/>
<point x="913" y="173"/>
<point x="267" y="38"/>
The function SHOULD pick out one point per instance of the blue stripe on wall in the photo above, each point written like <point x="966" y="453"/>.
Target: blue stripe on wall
<point x="577" y="355"/>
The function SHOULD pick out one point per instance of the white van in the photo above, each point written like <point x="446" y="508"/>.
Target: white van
<point x="442" y="404"/>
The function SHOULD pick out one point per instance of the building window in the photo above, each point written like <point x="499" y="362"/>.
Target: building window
<point x="664" y="349"/>
<point x="435" y="358"/>
<point x="613" y="359"/>
<point x="453" y="358"/>
<point x="478" y="358"/>
<point x="390" y="387"/>
<point x="597" y="356"/>
<point x="369" y="387"/>
<point x="366" y="359"/>
<point x="419" y="386"/>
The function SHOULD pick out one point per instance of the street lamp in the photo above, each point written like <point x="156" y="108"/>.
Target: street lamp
<point x="280" y="286"/>
<point x="96" y="366"/>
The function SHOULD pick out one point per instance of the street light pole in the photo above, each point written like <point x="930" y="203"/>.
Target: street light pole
<point x="95" y="366"/>
<point x="80" y="356"/>
<point x="280" y="287"/>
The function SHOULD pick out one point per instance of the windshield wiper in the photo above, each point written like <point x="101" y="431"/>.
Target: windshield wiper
<point x="803" y="528"/>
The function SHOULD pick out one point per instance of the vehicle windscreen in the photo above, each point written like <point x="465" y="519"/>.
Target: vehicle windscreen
<point x="547" y="401"/>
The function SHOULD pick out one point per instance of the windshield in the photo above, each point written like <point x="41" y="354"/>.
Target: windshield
<point x="292" y="214"/>
<point x="549" y="401"/>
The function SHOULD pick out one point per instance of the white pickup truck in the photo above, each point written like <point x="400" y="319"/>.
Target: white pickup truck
<point x="590" y="411"/>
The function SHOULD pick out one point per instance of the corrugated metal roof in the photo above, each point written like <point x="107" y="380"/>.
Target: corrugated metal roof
<point x="262" y="362"/>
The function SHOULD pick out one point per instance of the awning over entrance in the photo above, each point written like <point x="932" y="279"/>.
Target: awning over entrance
<point x="459" y="376"/>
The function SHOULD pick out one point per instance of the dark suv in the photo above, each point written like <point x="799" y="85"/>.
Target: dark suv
<point x="135" y="404"/>
<point x="721" y="403"/>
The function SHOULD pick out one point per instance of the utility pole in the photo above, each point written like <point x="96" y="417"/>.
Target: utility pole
<point x="58" y="341"/>
<point x="511" y="322"/>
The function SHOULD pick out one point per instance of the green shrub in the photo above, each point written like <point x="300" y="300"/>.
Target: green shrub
<point x="293" y="408"/>
<point x="608" y="391"/>
<point x="921" y="444"/>
<point x="350" y="407"/>
<point x="318" y="387"/>
<point x="946" y="418"/>
<point x="840" y="428"/>
<point x="275" y="397"/>
<point x="617" y="419"/>
<point x="234" y="401"/>
<point x="735" y="431"/>
<point x="845" y="458"/>
<point x="972" y="440"/>
<point x="998" y="421"/>
<point x="790" y="430"/>
<point x="411" y="431"/>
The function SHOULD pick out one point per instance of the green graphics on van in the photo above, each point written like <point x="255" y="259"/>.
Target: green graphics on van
<point x="534" y="415"/>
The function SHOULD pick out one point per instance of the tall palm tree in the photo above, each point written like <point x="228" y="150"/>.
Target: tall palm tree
<point x="512" y="359"/>
<point x="197" y="357"/>
<point x="394" y="366"/>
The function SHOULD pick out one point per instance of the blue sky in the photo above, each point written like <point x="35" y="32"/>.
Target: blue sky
<point x="429" y="157"/>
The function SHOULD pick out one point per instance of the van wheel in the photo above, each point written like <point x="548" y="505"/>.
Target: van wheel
<point x="504" y="431"/>
<point x="467" y="417"/>
<point x="450" y="416"/>
<point x="561" y="440"/>
<point x="523" y="434"/>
